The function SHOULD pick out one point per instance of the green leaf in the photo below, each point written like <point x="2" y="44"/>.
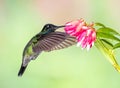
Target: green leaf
<point x="105" y="29"/>
<point x="100" y="24"/>
<point x="107" y="52"/>
<point x="108" y="31"/>
<point x="106" y="47"/>
<point x="116" y="46"/>
<point x="99" y="44"/>
<point x="107" y="36"/>
<point x="107" y="43"/>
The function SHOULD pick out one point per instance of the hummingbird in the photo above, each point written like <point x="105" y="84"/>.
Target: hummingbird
<point x="47" y="40"/>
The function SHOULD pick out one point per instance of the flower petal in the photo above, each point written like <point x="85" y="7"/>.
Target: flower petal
<point x="84" y="33"/>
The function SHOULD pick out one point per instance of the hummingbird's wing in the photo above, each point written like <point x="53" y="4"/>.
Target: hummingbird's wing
<point x="54" y="41"/>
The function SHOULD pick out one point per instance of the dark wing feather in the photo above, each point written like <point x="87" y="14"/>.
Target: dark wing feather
<point x="69" y="41"/>
<point x="54" y="41"/>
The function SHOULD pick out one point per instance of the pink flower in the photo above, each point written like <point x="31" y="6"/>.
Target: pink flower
<point x="84" y="33"/>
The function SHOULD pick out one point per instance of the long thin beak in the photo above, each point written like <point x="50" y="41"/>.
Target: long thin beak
<point x="57" y="27"/>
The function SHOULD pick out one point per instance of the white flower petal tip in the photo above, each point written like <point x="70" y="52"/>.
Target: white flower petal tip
<point x="82" y="48"/>
<point x="68" y="24"/>
<point x="92" y="43"/>
<point x="88" y="47"/>
<point x="78" y="44"/>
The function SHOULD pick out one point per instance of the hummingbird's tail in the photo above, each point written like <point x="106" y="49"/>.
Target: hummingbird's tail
<point x="21" y="71"/>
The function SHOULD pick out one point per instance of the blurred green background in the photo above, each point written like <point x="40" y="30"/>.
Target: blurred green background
<point x="68" y="68"/>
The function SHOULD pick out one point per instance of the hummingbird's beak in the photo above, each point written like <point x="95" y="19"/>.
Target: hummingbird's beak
<point x="57" y="27"/>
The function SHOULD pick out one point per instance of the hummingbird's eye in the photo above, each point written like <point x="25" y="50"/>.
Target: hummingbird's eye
<point x="48" y="26"/>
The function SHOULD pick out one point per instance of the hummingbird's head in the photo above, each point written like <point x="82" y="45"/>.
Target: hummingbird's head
<point x="51" y="28"/>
